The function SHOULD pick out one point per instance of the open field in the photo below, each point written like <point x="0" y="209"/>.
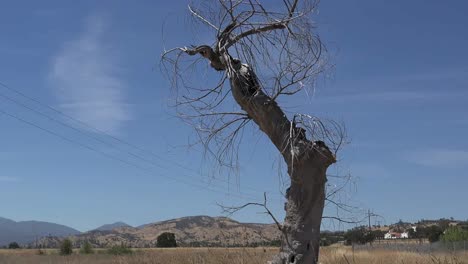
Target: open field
<point x="330" y="255"/>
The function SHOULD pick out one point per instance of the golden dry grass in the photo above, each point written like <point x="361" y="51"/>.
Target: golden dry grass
<point x="330" y="255"/>
<point x="345" y="256"/>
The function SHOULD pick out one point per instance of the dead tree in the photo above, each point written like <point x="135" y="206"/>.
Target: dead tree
<point x="262" y="53"/>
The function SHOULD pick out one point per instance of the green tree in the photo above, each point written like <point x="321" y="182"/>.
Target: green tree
<point x="420" y="232"/>
<point x="378" y="234"/>
<point x="86" y="248"/>
<point x="444" y="223"/>
<point x="66" y="247"/>
<point x="120" y="250"/>
<point x="166" y="240"/>
<point x="453" y="234"/>
<point x="13" y="245"/>
<point x="433" y="233"/>
<point x="329" y="238"/>
<point x="359" y="235"/>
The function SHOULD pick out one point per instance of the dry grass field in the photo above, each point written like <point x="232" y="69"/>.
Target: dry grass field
<point x="330" y="255"/>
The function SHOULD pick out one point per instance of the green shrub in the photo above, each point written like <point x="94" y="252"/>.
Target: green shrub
<point x="454" y="234"/>
<point x="86" y="248"/>
<point x="119" y="250"/>
<point x="434" y="233"/>
<point x="359" y="235"/>
<point x="66" y="247"/>
<point x="166" y="240"/>
<point x="13" y="245"/>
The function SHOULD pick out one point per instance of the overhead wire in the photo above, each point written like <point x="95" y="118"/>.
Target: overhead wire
<point x="93" y="136"/>
<point x="100" y="131"/>
<point x="148" y="172"/>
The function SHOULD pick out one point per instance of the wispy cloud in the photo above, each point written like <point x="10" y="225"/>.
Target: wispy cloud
<point x="8" y="179"/>
<point x="381" y="97"/>
<point x="370" y="171"/>
<point x="440" y="74"/>
<point x="414" y="87"/>
<point x="440" y="158"/>
<point x="86" y="79"/>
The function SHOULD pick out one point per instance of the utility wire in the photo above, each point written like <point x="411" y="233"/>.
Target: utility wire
<point x="100" y="132"/>
<point x="77" y="130"/>
<point x="146" y="171"/>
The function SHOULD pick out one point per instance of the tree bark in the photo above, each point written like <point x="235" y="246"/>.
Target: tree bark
<point x="307" y="160"/>
<point x="304" y="208"/>
<point x="307" y="164"/>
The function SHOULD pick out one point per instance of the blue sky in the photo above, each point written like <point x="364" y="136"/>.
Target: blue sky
<point x="399" y="84"/>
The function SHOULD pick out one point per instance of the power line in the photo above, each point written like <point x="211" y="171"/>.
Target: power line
<point x="84" y="124"/>
<point x="74" y="128"/>
<point x="146" y="171"/>
<point x="100" y="132"/>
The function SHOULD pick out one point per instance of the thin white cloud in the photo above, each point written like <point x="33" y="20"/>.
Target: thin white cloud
<point x="439" y="158"/>
<point x="463" y="121"/>
<point x="409" y="87"/>
<point x="8" y="179"/>
<point x="437" y="75"/>
<point x="381" y="97"/>
<point x="369" y="171"/>
<point x="86" y="80"/>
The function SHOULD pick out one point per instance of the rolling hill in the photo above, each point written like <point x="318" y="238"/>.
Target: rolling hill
<point x="24" y="232"/>
<point x="112" y="226"/>
<point x="189" y="231"/>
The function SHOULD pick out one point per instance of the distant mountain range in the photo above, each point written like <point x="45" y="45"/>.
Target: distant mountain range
<point x="28" y="231"/>
<point x="189" y="231"/>
<point x="109" y="227"/>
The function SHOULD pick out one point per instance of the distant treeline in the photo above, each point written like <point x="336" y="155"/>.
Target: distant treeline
<point x="442" y="230"/>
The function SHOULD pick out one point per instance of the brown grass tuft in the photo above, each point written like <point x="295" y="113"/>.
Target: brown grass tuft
<point x="330" y="255"/>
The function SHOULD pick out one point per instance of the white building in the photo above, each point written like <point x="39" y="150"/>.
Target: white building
<point x="396" y="235"/>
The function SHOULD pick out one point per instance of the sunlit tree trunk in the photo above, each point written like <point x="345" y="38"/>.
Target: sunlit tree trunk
<point x="307" y="164"/>
<point x="286" y="44"/>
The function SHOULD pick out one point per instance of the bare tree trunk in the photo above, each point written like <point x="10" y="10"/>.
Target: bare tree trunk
<point x="258" y="35"/>
<point x="307" y="164"/>
<point x="304" y="208"/>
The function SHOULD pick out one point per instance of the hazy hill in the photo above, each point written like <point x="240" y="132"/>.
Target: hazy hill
<point x="27" y="231"/>
<point x="112" y="226"/>
<point x="189" y="231"/>
<point x="402" y="226"/>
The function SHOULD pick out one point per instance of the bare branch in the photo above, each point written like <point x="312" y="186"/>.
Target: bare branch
<point x="255" y="31"/>
<point x="261" y="55"/>
<point x="230" y="210"/>
<point x="204" y="20"/>
<point x="341" y="220"/>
